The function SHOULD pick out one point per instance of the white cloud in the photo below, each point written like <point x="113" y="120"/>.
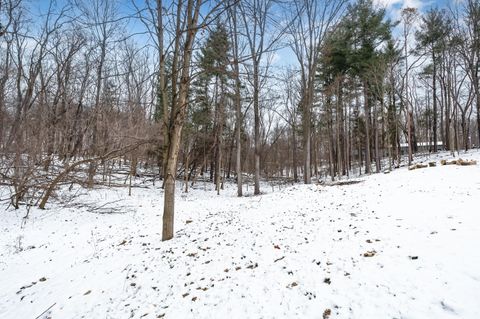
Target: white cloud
<point x="387" y="3"/>
<point x="397" y="5"/>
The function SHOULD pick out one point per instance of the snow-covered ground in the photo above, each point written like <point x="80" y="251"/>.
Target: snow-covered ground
<point x="398" y="245"/>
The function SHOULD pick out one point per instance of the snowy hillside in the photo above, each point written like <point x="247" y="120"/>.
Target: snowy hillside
<point x="398" y="245"/>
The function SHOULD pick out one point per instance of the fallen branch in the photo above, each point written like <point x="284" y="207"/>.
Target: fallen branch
<point x="46" y="310"/>
<point x="110" y="155"/>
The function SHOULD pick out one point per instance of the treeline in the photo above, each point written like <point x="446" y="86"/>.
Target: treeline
<point x="273" y="89"/>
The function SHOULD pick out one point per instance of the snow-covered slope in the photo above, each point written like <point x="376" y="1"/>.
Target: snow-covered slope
<point x="398" y="245"/>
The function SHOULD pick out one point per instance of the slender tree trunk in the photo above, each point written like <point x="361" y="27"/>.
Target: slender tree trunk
<point x="177" y="118"/>
<point x="103" y="52"/>
<point x="238" y="104"/>
<point x="435" y="116"/>
<point x="367" y="128"/>
<point x="256" y="110"/>
<point x="306" y="138"/>
<point x="294" y="154"/>
<point x="477" y="90"/>
<point x="377" y="148"/>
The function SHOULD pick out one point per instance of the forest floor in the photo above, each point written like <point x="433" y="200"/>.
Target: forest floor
<point x="397" y="245"/>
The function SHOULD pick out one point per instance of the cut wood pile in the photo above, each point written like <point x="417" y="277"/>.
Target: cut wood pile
<point x="417" y="166"/>
<point x="444" y="162"/>
<point x="458" y="162"/>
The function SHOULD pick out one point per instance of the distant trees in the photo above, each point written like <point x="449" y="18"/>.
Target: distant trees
<point x="311" y="21"/>
<point x="263" y="32"/>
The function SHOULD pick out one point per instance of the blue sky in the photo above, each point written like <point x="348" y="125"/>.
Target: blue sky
<point x="284" y="57"/>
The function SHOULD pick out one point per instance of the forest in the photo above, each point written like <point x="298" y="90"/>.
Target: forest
<point x="238" y="91"/>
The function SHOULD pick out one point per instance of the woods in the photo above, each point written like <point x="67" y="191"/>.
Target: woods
<point x="217" y="91"/>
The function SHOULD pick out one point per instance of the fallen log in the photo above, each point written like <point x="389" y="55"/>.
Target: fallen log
<point x="417" y="166"/>
<point x="446" y="162"/>
<point x="460" y="162"/>
<point x="466" y="163"/>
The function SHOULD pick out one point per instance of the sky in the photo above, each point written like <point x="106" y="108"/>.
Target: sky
<point x="284" y="57"/>
<point x="394" y="8"/>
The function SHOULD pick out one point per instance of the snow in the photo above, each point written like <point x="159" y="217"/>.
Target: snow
<point x="397" y="245"/>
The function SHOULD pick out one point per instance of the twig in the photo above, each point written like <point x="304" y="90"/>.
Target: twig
<point x="101" y="206"/>
<point x="46" y="310"/>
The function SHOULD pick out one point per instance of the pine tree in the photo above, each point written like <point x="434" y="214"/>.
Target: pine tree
<point x="429" y="38"/>
<point x="366" y="29"/>
<point x="212" y="93"/>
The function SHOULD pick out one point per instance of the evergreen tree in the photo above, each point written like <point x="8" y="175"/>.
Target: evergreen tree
<point x="211" y="95"/>
<point x="368" y="29"/>
<point x="429" y="38"/>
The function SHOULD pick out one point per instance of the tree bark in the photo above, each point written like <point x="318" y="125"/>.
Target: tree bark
<point x="367" y="128"/>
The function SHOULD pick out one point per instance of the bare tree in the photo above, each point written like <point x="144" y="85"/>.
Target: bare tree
<point x="312" y="20"/>
<point x="409" y="15"/>
<point x="258" y="22"/>
<point x="187" y="24"/>
<point x="101" y="17"/>
<point x="233" y="19"/>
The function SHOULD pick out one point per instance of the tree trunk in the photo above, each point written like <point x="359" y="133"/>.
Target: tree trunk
<point x="367" y="128"/>
<point x="177" y="119"/>
<point x="306" y="139"/>
<point x="434" y="87"/>
<point x="238" y="105"/>
<point x="256" y="110"/>
<point x="377" y="148"/>
<point x="294" y="154"/>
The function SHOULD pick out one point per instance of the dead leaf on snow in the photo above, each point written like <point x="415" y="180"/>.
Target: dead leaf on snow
<point x="293" y="284"/>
